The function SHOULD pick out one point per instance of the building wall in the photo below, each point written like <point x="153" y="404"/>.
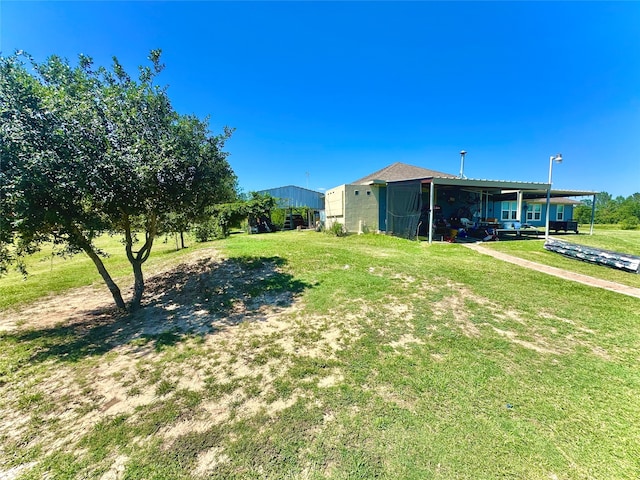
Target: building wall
<point x="366" y="210"/>
<point x="362" y="207"/>
<point x="334" y="206"/>
<point x="292" y="196"/>
<point x="536" y="222"/>
<point x="357" y="207"/>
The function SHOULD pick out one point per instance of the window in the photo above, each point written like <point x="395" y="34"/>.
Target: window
<point x="356" y="192"/>
<point x="509" y="211"/>
<point x="560" y="212"/>
<point x="534" y="212"/>
<point x="368" y="192"/>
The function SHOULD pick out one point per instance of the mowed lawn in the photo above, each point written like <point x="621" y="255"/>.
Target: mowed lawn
<point x="303" y="356"/>
<point x="625" y="241"/>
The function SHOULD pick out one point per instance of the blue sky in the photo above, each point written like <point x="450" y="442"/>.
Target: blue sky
<point x="323" y="93"/>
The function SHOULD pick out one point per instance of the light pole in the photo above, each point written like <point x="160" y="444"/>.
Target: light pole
<point x="558" y="159"/>
<point x="462" y="154"/>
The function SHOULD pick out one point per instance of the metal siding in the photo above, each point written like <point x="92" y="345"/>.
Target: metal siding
<point x="296" y="197"/>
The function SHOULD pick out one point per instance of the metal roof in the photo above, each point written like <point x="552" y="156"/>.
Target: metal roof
<point x="556" y="201"/>
<point x="487" y="184"/>
<point x="292" y="196"/>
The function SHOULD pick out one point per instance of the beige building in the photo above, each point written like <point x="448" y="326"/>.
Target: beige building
<point x="361" y="201"/>
<point x="409" y="201"/>
<point x="362" y="205"/>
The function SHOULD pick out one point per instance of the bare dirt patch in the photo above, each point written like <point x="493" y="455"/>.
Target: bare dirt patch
<point x="120" y="364"/>
<point x="208" y="460"/>
<point x="463" y="307"/>
<point x="217" y="330"/>
<point x="405" y="340"/>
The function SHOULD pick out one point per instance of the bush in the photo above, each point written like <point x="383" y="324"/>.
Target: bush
<point x="336" y="229"/>
<point x="207" y="230"/>
<point x="277" y="217"/>
<point x="629" y="223"/>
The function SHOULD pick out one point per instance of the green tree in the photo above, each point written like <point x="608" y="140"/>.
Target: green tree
<point x="629" y="208"/>
<point x="190" y="204"/>
<point x="223" y="217"/>
<point x="87" y="151"/>
<point x="582" y="213"/>
<point x="232" y="214"/>
<point x="619" y="210"/>
<point x="260" y="205"/>
<point x="606" y="208"/>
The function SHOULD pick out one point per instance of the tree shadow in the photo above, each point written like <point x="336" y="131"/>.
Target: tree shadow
<point x="199" y="298"/>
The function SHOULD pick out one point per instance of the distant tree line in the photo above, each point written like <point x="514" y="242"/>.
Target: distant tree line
<point x="620" y="210"/>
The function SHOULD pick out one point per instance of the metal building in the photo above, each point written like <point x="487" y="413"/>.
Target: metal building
<point x="296" y="197"/>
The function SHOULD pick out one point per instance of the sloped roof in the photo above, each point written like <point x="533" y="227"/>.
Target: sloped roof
<point x="401" y="171"/>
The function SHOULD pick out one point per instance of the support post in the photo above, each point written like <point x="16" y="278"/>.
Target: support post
<point x="431" y="208"/>
<point x="557" y="158"/>
<point x="593" y="214"/>
<point x="519" y="206"/>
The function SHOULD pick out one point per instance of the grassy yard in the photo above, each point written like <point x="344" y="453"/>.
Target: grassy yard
<point x="50" y="274"/>
<point x="624" y="241"/>
<point x="303" y="356"/>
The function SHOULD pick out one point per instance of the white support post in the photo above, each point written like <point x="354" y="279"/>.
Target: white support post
<point x="593" y="214"/>
<point x="558" y="159"/>
<point x="519" y="207"/>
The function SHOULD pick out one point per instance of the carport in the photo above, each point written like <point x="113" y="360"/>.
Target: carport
<point x="484" y="195"/>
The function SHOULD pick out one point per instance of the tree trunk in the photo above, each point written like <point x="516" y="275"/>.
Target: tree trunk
<point x="115" y="291"/>
<point x="182" y="238"/>
<point x="77" y="238"/>
<point x="138" y="258"/>
<point x="138" y="286"/>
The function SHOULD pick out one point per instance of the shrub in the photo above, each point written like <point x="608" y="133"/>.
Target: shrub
<point x="206" y="230"/>
<point x="277" y="217"/>
<point x="336" y="229"/>
<point x="629" y="223"/>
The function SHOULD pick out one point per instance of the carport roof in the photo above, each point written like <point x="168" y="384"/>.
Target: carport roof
<point x="498" y="186"/>
<point x="531" y="189"/>
<point x="556" y="201"/>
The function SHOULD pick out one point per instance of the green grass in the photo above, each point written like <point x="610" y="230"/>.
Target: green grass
<point x="623" y="241"/>
<point x="50" y="274"/>
<point x="357" y="357"/>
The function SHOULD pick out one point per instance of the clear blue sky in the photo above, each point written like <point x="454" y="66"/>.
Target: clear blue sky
<point x="323" y="93"/>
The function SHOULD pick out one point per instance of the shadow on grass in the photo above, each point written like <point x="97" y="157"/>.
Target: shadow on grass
<point x="192" y="299"/>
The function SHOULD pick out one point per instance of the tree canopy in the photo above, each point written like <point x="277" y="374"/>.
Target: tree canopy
<point x="620" y="210"/>
<point x="88" y="150"/>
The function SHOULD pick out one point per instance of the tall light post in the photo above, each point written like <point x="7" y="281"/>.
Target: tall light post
<point x="462" y="154"/>
<point x="558" y="159"/>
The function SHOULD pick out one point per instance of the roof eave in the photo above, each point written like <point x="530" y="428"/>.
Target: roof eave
<point x="472" y="182"/>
